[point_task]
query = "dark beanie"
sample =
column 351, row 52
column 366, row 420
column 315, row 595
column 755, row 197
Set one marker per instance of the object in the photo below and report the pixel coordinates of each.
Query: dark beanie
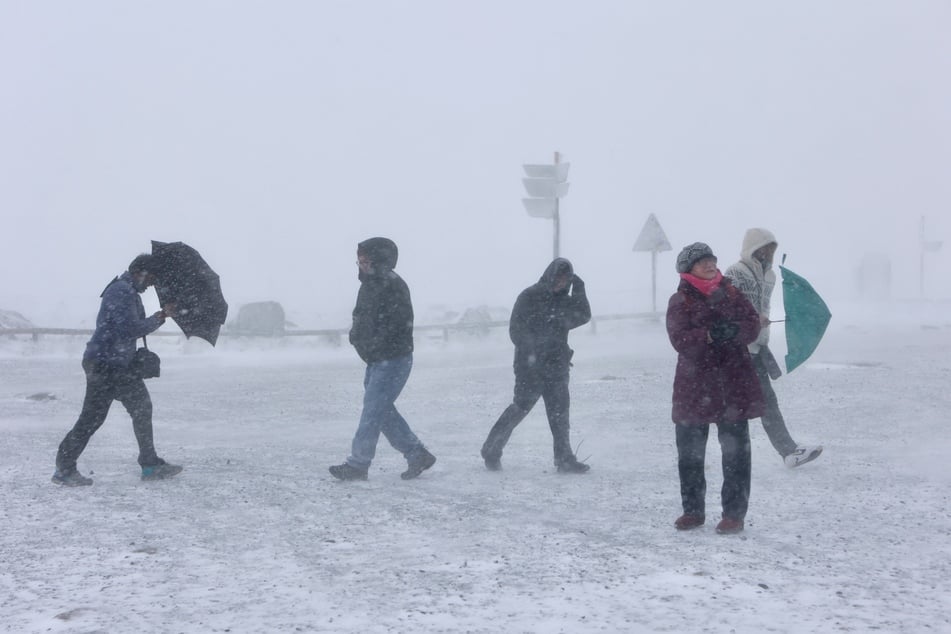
column 691, row 254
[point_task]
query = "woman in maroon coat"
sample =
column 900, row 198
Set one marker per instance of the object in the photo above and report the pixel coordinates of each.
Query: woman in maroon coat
column 710, row 323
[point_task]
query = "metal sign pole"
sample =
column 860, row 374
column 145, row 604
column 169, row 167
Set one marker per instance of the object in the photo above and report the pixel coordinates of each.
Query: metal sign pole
column 556, row 219
column 654, row 280
column 652, row 238
column 921, row 270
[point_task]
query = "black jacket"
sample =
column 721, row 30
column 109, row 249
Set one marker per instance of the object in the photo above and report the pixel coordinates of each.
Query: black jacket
column 383, row 316
column 542, row 318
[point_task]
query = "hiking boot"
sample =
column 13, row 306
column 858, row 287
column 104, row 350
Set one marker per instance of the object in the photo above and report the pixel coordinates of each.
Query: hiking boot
column 419, row 464
column 802, row 455
column 160, row 471
column 70, row 479
column 687, row 521
column 729, row 526
column 571, row 465
column 347, row 471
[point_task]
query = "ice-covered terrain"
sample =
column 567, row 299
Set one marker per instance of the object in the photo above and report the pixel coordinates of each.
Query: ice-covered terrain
column 255, row 536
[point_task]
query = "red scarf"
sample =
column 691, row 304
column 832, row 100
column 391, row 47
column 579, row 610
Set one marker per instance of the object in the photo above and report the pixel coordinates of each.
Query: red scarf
column 704, row 286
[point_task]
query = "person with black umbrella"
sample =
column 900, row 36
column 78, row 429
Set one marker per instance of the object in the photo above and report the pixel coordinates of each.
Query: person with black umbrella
column 110, row 375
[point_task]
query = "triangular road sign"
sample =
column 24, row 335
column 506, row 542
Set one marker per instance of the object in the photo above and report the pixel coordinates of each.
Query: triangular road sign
column 652, row 237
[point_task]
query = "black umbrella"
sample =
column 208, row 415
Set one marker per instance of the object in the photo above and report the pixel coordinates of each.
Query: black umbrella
column 182, row 277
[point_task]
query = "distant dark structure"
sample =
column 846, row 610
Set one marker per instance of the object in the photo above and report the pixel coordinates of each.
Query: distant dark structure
column 476, row 320
column 873, row 278
column 14, row 320
column 260, row 319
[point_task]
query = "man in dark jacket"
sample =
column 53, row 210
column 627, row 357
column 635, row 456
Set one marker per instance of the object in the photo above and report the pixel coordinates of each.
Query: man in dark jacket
column 382, row 334
column 109, row 377
column 542, row 316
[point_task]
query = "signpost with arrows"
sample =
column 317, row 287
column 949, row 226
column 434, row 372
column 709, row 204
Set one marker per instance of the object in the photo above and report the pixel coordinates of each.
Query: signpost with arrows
column 545, row 185
column 653, row 239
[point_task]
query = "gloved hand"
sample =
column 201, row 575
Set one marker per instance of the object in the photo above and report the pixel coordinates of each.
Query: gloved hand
column 577, row 284
column 723, row 330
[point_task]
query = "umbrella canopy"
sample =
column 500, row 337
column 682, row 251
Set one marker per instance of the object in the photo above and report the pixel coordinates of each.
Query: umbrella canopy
column 185, row 279
column 806, row 318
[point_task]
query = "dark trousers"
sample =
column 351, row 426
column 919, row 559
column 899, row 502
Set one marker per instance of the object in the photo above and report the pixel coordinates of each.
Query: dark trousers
column 104, row 384
column 772, row 418
column 552, row 388
column 735, row 447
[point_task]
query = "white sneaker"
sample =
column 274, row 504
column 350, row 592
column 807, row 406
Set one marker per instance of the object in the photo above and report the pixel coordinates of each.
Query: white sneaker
column 802, row 455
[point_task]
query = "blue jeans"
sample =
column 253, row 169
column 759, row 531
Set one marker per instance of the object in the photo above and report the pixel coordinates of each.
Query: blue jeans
column 383, row 382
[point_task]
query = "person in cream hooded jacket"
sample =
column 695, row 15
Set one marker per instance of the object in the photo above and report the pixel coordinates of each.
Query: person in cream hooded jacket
column 753, row 275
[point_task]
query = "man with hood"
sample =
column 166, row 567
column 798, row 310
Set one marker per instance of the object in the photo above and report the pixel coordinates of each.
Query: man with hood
column 109, row 377
column 542, row 316
column 382, row 334
column 753, row 275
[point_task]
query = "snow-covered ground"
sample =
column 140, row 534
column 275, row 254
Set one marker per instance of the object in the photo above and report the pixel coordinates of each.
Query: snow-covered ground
column 255, row 536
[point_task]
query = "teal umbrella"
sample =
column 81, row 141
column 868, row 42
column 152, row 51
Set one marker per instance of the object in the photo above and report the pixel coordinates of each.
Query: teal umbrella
column 806, row 318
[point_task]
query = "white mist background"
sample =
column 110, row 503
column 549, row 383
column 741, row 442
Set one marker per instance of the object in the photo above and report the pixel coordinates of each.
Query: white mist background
column 274, row 137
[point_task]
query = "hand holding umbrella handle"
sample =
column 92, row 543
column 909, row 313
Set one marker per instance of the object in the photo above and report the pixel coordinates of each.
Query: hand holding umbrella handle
column 168, row 310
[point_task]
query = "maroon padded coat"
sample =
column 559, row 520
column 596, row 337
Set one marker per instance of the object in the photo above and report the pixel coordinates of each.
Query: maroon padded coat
column 714, row 381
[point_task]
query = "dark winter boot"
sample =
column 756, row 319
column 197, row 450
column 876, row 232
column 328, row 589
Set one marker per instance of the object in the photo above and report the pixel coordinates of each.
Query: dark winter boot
column 418, row 464
column 492, row 462
column 571, row 465
column 160, row 471
column 346, row 471
column 687, row 521
column 729, row 526
column 71, row 479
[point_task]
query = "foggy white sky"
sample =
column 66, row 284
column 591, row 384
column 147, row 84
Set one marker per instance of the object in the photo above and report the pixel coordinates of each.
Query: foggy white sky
column 273, row 136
